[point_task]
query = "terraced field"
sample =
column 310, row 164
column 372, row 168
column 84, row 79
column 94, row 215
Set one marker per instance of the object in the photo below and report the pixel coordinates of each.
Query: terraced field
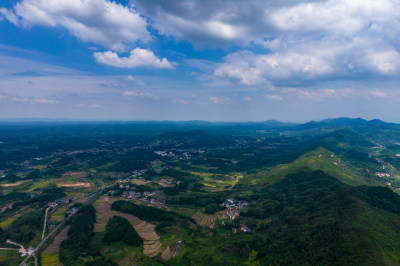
column 151, row 240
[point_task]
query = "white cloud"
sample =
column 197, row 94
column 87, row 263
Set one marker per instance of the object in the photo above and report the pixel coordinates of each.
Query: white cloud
column 251, row 69
column 223, row 22
column 334, row 16
column 29, row 100
column 9, row 15
column 385, row 62
column 378, row 94
column 138, row 58
column 247, row 98
column 307, row 40
column 274, row 97
column 45, row 101
column 103, row 22
column 317, row 95
column 180, row 101
column 140, row 94
column 240, row 67
column 95, row 105
column 305, row 61
column 214, row 99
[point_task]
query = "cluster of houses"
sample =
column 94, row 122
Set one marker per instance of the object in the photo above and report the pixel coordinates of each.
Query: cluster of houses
column 232, row 207
column 242, row 227
column 62, row 201
column 155, row 162
column 138, row 173
column 178, row 244
column 93, row 150
column 380, row 174
column 180, row 154
column 130, row 192
column 71, row 211
column 2, row 173
column 168, row 154
column 171, row 181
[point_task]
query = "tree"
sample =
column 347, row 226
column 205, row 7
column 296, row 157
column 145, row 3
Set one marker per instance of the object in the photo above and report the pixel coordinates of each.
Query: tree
column 119, row 229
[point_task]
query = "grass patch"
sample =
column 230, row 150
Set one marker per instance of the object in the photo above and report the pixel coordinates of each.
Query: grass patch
column 9, row 257
column 5, row 224
column 97, row 240
column 169, row 240
column 50, row 259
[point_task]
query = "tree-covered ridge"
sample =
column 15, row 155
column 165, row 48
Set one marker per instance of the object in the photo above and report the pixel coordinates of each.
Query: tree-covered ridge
column 79, row 235
column 310, row 218
column 119, row 229
column 142, row 212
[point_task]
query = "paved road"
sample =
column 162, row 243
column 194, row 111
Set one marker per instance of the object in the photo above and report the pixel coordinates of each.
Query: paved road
column 23, row 263
column 44, row 240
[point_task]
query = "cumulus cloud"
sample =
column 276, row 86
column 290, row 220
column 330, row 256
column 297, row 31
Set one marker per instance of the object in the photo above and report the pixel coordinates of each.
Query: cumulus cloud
column 103, row 22
column 306, row 40
column 138, row 58
column 311, row 61
column 207, row 21
column 140, row 94
column 240, row 22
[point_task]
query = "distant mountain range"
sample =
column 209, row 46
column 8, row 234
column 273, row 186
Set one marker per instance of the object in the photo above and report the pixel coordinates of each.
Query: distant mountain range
column 343, row 121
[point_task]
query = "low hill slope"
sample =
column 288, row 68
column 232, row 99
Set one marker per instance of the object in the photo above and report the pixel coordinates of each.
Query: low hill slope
column 311, row 218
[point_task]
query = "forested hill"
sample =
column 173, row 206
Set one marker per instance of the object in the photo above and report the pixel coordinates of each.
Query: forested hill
column 310, row 218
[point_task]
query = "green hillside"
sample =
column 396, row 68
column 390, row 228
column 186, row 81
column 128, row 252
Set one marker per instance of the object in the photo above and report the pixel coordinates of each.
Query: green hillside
column 311, row 218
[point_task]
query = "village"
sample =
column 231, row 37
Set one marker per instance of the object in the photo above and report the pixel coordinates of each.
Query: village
column 232, row 211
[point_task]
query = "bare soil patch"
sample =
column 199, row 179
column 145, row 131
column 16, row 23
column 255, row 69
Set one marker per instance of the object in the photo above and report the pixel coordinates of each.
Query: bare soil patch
column 208, row 220
column 12, row 184
column 140, row 182
column 77, row 174
column 79, row 184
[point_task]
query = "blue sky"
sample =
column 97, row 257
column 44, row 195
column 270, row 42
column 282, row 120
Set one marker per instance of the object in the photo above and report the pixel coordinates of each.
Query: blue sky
column 217, row 60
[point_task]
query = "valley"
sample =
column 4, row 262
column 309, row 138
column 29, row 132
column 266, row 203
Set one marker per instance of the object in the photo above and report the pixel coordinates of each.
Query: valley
column 199, row 193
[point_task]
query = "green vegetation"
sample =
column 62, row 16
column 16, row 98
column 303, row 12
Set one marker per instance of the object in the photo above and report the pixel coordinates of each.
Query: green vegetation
column 79, row 235
column 119, row 229
column 26, row 227
column 143, row 212
column 321, row 193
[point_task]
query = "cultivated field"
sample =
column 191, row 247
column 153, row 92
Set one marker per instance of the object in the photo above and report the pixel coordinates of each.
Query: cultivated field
column 207, row 220
column 54, row 247
column 152, row 244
